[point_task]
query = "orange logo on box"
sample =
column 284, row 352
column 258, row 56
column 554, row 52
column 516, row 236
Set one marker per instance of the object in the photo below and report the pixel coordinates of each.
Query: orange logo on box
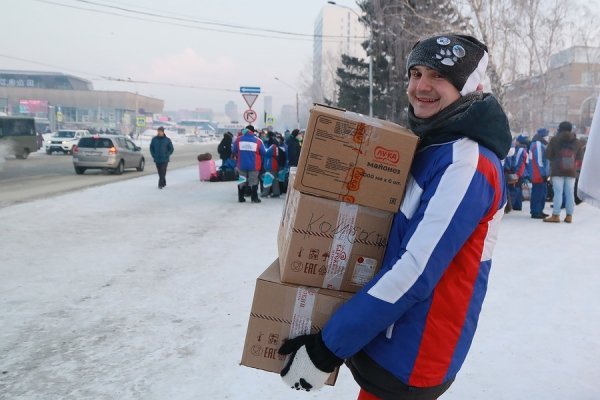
column 382, row 154
column 359, row 133
column 357, row 175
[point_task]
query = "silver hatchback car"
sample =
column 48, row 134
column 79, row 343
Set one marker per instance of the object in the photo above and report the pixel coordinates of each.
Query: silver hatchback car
column 109, row 152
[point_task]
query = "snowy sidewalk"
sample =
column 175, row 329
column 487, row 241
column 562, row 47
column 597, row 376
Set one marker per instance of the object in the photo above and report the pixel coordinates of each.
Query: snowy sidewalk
column 140, row 293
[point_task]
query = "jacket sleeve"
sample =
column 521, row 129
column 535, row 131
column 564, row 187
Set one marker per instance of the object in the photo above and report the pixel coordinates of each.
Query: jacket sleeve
column 437, row 219
column 170, row 147
column 152, row 148
column 234, row 146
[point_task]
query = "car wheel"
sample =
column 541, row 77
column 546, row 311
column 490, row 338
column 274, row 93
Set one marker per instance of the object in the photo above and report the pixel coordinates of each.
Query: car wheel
column 140, row 167
column 79, row 170
column 48, row 152
column 120, row 168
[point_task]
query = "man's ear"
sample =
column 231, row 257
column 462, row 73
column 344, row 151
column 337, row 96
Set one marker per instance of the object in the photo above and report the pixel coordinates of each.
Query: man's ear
column 479, row 88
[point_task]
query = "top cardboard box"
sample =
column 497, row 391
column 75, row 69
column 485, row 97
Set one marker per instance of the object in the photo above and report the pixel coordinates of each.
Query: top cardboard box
column 350, row 157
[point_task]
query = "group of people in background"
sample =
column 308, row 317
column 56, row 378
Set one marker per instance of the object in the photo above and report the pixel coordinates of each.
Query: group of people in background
column 551, row 167
column 262, row 159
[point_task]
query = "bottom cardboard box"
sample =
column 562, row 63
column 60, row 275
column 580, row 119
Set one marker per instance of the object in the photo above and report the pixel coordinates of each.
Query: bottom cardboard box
column 283, row 310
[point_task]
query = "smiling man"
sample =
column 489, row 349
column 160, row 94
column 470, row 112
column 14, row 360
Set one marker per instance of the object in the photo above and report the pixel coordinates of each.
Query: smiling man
column 406, row 334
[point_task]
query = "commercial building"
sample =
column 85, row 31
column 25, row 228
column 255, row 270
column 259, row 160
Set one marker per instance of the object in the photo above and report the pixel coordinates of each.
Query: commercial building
column 69, row 101
column 568, row 90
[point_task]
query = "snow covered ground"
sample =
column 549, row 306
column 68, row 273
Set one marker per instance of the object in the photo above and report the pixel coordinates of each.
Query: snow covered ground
column 140, row 293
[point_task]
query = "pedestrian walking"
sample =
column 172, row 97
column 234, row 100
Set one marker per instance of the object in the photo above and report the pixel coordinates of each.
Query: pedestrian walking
column 161, row 149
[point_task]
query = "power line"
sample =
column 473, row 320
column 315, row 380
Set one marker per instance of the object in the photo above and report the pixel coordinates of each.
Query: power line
column 98, row 77
column 176, row 20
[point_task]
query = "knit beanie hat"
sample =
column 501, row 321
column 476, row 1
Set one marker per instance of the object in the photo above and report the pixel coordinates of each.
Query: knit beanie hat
column 461, row 59
column 542, row 132
column 522, row 139
column 565, row 126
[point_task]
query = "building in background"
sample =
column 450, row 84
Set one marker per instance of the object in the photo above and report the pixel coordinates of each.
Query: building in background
column 231, row 110
column 337, row 31
column 568, row 90
column 67, row 101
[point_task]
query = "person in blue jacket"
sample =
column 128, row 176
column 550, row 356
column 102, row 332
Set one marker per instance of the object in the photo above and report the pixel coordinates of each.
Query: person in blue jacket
column 249, row 151
column 406, row 333
column 538, row 171
column 517, row 164
column 161, row 149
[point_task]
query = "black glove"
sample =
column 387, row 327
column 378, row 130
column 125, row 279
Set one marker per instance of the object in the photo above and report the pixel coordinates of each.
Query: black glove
column 309, row 364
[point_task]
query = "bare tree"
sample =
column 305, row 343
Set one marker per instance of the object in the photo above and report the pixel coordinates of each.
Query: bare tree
column 521, row 36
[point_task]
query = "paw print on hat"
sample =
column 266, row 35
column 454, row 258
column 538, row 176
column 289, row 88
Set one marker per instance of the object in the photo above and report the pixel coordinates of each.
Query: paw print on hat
column 445, row 55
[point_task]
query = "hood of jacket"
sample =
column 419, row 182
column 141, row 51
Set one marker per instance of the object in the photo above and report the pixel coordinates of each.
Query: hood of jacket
column 477, row 116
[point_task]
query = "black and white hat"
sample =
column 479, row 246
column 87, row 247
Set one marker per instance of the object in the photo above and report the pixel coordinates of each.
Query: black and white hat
column 461, row 59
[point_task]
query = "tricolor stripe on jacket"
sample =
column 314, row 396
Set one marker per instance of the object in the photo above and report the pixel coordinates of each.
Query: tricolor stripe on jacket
column 417, row 317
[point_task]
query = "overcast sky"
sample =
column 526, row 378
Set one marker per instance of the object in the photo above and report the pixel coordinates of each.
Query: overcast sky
column 167, row 41
column 193, row 45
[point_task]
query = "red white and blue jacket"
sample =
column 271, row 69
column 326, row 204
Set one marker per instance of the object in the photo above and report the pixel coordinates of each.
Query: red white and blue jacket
column 517, row 163
column 249, row 151
column 416, row 319
column 538, row 166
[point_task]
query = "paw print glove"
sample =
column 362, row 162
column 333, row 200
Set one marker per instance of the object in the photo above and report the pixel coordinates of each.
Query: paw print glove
column 309, row 364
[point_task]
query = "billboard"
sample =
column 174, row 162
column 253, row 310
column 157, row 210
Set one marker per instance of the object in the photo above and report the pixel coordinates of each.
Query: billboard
column 33, row 107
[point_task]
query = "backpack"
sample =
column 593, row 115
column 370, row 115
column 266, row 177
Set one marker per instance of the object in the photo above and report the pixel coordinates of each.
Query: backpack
column 566, row 160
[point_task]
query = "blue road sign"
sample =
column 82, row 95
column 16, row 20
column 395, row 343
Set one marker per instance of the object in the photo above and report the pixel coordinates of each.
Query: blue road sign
column 250, row 89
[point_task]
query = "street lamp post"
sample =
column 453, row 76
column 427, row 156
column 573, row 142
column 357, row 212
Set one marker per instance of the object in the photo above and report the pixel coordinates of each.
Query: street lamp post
column 297, row 107
column 369, row 54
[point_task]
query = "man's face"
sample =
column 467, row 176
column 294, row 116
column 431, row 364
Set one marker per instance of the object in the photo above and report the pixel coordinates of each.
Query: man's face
column 160, row 132
column 429, row 92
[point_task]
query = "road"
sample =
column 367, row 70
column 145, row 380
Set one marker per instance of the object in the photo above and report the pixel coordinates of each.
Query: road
column 42, row 175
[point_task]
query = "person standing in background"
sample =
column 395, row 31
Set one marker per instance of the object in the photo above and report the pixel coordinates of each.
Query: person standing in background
column 565, row 153
column 293, row 148
column 271, row 167
column 539, row 169
column 224, row 148
column 161, row 149
column 249, row 151
column 517, row 165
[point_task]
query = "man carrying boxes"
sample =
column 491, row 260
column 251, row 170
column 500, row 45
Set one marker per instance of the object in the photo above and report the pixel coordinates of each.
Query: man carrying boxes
column 406, row 333
column 328, row 248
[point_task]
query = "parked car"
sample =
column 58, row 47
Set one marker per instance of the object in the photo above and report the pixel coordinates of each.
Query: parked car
column 64, row 140
column 108, row 152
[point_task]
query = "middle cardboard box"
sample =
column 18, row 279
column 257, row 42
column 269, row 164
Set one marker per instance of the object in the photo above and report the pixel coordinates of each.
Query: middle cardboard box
column 330, row 244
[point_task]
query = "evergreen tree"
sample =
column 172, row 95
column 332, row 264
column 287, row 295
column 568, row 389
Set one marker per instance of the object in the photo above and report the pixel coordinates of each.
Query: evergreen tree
column 353, row 84
column 395, row 26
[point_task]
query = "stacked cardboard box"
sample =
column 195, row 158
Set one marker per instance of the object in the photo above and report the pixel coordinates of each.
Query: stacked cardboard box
column 281, row 310
column 339, row 208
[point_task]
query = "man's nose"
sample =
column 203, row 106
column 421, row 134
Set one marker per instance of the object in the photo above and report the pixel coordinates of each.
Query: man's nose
column 424, row 84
